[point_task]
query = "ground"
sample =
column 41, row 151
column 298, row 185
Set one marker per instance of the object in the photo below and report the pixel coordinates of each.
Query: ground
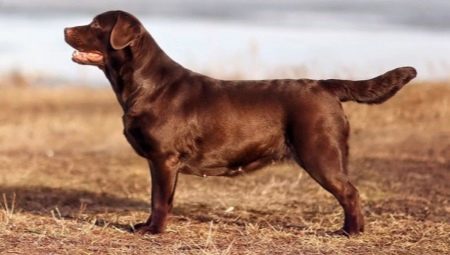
column 70, row 184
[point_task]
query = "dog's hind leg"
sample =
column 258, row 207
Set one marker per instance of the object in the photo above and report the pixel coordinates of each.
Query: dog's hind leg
column 322, row 152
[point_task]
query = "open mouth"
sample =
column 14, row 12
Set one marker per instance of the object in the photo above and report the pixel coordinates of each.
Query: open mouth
column 87, row 57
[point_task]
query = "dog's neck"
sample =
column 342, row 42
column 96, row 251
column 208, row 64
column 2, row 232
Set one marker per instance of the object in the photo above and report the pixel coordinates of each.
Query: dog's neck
column 144, row 58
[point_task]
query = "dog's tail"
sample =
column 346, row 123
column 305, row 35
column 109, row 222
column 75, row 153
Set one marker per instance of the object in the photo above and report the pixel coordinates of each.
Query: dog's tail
column 373, row 91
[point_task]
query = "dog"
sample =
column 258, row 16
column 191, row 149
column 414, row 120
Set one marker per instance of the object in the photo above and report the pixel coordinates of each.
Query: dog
column 181, row 121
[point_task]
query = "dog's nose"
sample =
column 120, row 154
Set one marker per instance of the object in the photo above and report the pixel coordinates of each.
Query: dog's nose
column 67, row 31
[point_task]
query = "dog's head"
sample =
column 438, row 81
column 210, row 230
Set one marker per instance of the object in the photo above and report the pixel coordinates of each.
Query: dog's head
column 108, row 32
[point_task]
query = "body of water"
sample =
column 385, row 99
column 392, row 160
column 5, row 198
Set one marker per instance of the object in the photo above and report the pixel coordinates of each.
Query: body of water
column 256, row 39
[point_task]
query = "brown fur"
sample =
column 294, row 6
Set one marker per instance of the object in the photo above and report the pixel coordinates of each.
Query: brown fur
column 185, row 122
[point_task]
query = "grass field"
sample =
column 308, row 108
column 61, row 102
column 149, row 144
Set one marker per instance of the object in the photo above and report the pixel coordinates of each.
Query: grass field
column 70, row 184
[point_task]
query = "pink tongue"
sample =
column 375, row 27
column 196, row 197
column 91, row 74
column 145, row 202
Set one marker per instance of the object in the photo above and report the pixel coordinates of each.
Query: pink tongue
column 87, row 56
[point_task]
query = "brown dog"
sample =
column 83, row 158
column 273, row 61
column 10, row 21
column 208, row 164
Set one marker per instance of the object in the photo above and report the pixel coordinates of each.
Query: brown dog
column 185, row 122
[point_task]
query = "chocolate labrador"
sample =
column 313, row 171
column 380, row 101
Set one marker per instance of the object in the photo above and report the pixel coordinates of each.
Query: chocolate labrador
column 186, row 122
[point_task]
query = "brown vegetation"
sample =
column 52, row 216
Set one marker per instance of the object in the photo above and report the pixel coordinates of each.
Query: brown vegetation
column 68, row 186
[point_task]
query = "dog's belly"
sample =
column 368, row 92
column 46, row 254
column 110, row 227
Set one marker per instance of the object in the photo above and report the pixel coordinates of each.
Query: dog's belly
column 228, row 171
column 240, row 163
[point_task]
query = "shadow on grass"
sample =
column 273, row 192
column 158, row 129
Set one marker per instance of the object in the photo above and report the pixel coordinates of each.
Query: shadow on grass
column 69, row 203
column 41, row 200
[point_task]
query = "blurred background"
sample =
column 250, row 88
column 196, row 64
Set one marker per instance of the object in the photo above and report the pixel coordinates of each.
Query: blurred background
column 70, row 182
column 248, row 39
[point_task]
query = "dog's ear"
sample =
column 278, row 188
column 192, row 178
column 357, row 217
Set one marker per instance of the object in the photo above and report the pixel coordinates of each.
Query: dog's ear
column 125, row 31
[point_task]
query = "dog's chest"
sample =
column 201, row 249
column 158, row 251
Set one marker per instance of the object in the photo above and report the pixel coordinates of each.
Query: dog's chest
column 136, row 134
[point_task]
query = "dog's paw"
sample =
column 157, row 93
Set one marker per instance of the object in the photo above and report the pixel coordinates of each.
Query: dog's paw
column 346, row 233
column 145, row 228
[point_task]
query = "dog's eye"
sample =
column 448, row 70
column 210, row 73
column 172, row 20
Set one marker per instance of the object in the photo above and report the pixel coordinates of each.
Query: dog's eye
column 95, row 24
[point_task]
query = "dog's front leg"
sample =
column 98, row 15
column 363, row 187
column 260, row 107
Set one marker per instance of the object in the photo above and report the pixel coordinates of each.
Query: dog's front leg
column 164, row 180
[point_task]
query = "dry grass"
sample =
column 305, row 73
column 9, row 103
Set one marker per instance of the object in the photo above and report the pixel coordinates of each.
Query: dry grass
column 70, row 184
